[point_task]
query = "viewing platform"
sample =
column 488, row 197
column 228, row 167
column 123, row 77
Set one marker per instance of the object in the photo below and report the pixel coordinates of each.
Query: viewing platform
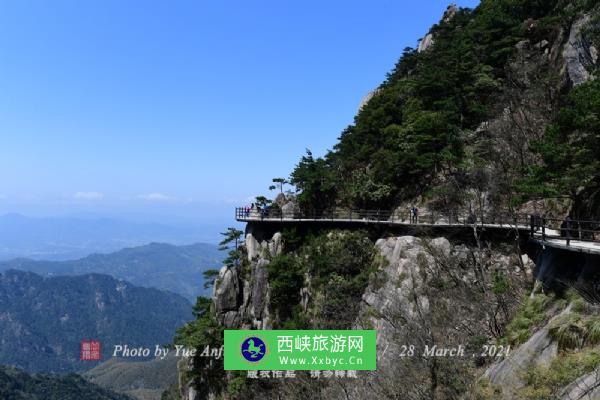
column 571, row 235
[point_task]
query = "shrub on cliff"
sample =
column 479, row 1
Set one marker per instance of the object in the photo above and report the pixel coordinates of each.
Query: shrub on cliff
column 335, row 267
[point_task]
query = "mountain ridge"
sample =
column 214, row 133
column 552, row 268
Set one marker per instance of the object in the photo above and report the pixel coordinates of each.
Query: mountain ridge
column 177, row 269
column 44, row 319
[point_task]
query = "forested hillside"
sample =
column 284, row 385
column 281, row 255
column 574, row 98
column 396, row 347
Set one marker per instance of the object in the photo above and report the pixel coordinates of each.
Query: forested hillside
column 493, row 106
column 497, row 109
column 43, row 320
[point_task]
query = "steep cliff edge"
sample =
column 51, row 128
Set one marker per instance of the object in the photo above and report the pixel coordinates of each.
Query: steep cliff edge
column 421, row 293
column 483, row 116
column 240, row 300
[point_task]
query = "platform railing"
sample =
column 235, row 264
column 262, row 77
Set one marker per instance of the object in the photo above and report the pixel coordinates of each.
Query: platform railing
column 427, row 217
column 539, row 226
column 565, row 229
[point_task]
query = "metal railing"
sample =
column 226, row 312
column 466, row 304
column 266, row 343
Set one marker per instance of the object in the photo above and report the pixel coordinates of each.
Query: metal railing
column 564, row 229
column 538, row 226
column 385, row 216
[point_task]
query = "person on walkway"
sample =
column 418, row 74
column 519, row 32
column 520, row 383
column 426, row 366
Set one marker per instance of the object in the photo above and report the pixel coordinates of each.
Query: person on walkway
column 416, row 213
column 412, row 214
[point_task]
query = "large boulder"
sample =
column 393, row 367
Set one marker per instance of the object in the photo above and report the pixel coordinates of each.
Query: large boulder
column 259, row 289
column 428, row 40
column 280, row 200
column 253, row 248
column 585, row 388
column 540, row 349
column 227, row 290
column 425, row 43
column 275, row 244
column 289, row 209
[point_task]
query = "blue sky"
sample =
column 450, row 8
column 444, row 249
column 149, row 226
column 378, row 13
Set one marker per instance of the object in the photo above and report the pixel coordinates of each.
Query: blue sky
column 181, row 109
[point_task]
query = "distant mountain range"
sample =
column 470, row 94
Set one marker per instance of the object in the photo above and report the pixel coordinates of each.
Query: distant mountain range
column 43, row 320
column 68, row 238
column 20, row 385
column 163, row 266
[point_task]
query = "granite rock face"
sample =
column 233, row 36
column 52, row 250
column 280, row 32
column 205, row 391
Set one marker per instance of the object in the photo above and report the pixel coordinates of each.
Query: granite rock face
column 425, row 43
column 429, row 39
column 365, row 100
column 428, row 292
column 585, row 388
column 241, row 298
column 241, row 293
column 579, row 54
column 540, row 349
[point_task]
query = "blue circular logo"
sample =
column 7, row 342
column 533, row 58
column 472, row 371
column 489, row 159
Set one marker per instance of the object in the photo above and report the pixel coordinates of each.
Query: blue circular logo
column 253, row 349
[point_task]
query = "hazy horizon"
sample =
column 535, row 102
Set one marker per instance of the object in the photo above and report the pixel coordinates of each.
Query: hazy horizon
column 68, row 238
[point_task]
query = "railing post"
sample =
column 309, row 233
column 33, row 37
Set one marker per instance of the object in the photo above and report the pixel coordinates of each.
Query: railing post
column 532, row 224
column 568, row 231
column 543, row 229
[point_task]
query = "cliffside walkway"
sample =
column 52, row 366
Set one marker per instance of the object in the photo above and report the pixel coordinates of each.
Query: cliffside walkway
column 571, row 235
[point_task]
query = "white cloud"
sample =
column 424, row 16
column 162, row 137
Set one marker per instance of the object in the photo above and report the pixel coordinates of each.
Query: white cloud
column 156, row 196
column 88, row 196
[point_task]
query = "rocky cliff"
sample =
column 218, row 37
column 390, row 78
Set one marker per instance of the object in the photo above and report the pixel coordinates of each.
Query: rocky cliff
column 429, row 292
column 241, row 301
column 433, row 290
column 241, row 295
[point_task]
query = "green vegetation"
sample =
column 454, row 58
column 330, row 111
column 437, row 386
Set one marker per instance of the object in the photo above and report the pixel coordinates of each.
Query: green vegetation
column 484, row 390
column 286, row 278
column 413, row 129
column 279, row 183
column 574, row 330
column 545, row 382
column 336, row 265
column 571, row 147
column 532, row 314
column 230, row 243
column 204, row 331
column 460, row 124
column 316, row 183
column 577, row 333
column 50, row 317
column 417, row 135
column 19, row 385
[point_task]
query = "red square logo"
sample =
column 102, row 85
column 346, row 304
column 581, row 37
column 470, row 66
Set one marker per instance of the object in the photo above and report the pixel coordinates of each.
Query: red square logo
column 90, row 350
